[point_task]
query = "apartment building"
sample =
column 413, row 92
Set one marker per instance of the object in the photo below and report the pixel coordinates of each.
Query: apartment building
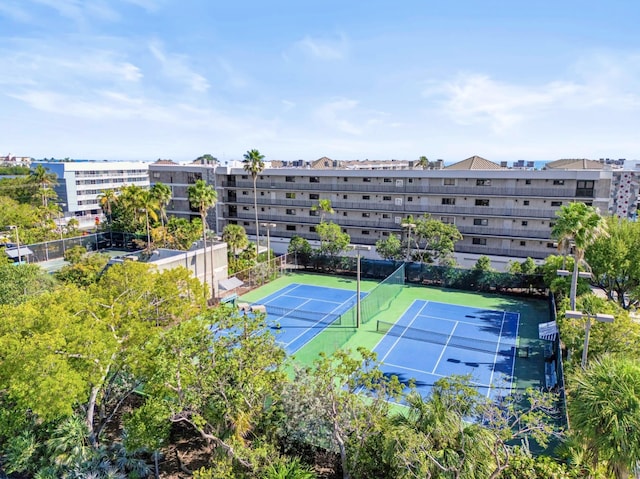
column 500, row 211
column 80, row 183
column 179, row 177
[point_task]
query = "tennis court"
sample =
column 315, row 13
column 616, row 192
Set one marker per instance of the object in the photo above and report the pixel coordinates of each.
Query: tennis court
column 432, row 340
column 299, row 312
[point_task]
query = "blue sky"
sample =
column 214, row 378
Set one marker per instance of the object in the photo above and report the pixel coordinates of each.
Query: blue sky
column 148, row 79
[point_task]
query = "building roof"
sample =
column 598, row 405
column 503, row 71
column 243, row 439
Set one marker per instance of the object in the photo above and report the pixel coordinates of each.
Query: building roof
column 15, row 253
column 575, row 164
column 160, row 161
column 474, row 163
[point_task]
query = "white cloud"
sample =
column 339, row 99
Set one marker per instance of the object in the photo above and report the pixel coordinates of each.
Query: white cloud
column 333, row 114
column 175, row 67
column 597, row 83
column 324, row 48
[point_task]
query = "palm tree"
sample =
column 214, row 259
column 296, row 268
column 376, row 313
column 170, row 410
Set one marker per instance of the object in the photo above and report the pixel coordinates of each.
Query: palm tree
column 45, row 180
column 148, row 204
column 130, row 197
column 203, row 197
column 236, row 237
column 423, row 162
column 605, row 413
column 254, row 164
column 106, row 199
column 163, row 194
column 579, row 224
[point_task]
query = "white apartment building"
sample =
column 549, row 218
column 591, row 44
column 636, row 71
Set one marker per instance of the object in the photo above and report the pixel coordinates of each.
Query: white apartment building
column 499, row 211
column 81, row 182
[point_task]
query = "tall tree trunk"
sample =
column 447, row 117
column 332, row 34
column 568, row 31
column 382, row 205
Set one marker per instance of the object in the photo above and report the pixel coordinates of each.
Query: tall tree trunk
column 204, row 241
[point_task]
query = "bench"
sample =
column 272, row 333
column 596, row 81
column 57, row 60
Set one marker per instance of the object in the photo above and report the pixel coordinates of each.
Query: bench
column 244, row 307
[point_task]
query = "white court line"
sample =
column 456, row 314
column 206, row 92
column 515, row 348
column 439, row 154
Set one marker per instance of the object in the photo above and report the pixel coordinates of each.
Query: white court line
column 403, row 331
column 318, row 322
column 495, row 356
column 315, row 299
column 433, row 374
column 401, row 316
column 285, row 293
column 451, row 320
column 444, row 348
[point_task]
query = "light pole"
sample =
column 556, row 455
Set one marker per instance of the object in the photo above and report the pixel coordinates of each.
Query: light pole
column 268, row 226
column 60, row 226
column 603, row 318
column 14, row 227
column 408, row 225
column 358, row 248
column 574, row 291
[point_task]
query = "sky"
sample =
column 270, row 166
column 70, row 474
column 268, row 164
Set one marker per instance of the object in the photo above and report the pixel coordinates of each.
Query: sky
column 350, row 80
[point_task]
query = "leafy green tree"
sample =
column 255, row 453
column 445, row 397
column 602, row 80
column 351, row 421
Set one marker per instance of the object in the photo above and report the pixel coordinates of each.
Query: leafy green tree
column 615, row 261
column 218, row 376
column 20, row 282
column 332, row 240
column 528, row 266
column 300, row 248
column 206, row 159
column 254, row 165
column 514, row 267
column 321, row 405
column 178, row 233
column 83, row 271
column 435, row 240
column 483, row 264
column 390, row 248
column 203, row 196
column 580, row 225
column 149, row 204
column 324, row 205
column 605, row 413
column 423, row 162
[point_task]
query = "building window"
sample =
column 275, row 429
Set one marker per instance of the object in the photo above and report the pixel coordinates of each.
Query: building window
column 366, row 215
column 156, row 174
column 314, row 196
column 385, row 233
column 525, row 223
column 447, row 220
column 552, row 245
column 262, row 193
column 482, row 202
column 409, row 198
column 344, row 213
column 480, row 241
column 483, row 182
column 312, row 229
column 291, row 227
column 480, row 222
column 289, row 179
column 193, row 177
column 314, row 179
column 366, row 197
column 291, row 211
column 449, row 182
column 448, row 201
column 556, row 203
column 314, row 213
column 290, row 196
column 244, row 177
column 387, row 180
column 345, row 179
column 525, row 202
column 245, row 208
column 585, row 188
column 410, row 180
column 399, row 183
column 365, row 232
column 558, row 182
column 552, row 224
column 344, row 197
column 366, row 180
column 398, row 201
column 386, row 216
column 527, row 182
column 523, row 243
column 386, row 198
column 245, row 193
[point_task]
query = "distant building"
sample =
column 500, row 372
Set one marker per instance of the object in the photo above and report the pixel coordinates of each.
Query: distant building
column 80, row 183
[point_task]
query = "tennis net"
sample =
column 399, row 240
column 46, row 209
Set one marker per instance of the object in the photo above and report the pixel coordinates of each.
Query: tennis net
column 460, row 342
column 378, row 298
column 312, row 316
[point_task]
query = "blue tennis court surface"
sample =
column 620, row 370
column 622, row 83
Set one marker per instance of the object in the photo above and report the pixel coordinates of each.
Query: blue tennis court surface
column 433, row 340
column 299, row 312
